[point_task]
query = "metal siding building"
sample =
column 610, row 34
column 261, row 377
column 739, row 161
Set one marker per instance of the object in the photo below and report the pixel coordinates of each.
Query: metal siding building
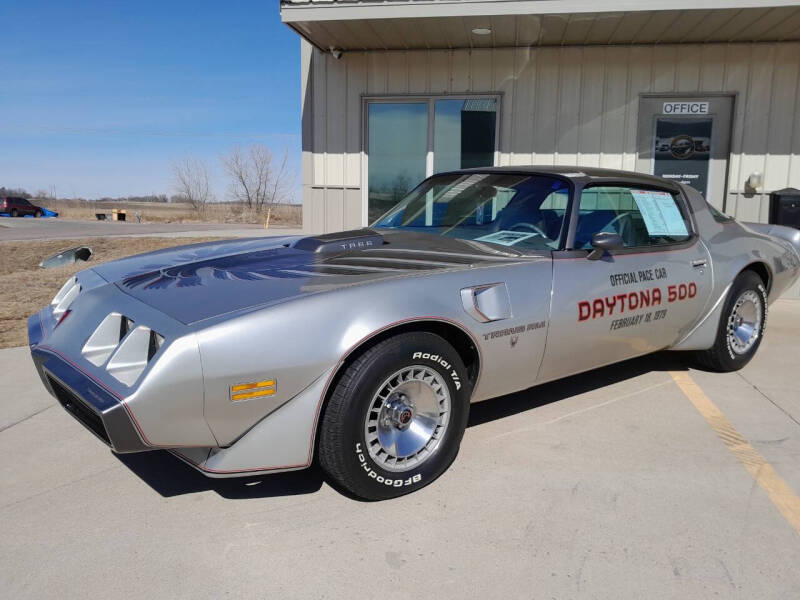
column 570, row 86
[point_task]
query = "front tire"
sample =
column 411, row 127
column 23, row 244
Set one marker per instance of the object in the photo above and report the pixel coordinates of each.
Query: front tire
column 37, row 214
column 741, row 327
column 395, row 419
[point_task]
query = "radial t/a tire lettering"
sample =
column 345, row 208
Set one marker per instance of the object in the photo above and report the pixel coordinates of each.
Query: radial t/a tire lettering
column 395, row 419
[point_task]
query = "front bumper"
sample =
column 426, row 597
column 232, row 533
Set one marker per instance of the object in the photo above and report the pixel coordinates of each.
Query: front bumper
column 95, row 407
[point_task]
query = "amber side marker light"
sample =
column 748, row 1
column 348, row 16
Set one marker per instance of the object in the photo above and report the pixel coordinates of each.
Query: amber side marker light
column 255, row 389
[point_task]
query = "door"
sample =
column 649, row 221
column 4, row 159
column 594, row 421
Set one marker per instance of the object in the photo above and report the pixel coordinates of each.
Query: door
column 637, row 299
column 26, row 208
column 687, row 139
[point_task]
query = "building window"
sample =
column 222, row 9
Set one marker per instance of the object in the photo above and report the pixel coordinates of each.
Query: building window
column 410, row 139
column 398, row 145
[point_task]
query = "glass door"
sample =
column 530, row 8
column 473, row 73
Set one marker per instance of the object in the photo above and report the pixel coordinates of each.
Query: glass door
column 687, row 139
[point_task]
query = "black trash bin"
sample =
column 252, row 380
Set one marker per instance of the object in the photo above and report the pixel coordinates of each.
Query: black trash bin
column 784, row 207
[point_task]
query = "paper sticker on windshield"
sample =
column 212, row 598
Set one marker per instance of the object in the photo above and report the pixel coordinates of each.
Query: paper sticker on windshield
column 660, row 213
column 505, row 238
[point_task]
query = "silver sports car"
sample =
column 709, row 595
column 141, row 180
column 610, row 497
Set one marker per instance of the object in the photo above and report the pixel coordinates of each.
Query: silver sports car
column 364, row 349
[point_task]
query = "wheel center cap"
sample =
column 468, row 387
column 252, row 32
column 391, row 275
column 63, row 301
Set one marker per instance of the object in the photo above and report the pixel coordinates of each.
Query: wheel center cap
column 399, row 412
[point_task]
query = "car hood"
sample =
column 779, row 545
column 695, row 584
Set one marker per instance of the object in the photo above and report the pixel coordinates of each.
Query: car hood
column 201, row 281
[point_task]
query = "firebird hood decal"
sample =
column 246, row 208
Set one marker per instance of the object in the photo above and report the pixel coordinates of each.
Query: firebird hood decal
column 197, row 282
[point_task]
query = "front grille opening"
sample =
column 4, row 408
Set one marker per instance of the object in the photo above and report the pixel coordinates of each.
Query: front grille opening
column 75, row 406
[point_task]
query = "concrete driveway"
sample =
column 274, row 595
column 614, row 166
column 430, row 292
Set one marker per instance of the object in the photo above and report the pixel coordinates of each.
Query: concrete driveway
column 620, row 483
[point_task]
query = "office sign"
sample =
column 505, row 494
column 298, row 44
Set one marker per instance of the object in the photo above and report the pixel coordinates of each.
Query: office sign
column 682, row 150
column 685, row 108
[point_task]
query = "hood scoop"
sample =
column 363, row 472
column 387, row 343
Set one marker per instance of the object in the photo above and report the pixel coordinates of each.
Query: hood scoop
column 345, row 241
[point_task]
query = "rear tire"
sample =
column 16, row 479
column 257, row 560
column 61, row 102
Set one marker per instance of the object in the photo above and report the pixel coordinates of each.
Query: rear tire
column 14, row 212
column 395, row 419
column 741, row 326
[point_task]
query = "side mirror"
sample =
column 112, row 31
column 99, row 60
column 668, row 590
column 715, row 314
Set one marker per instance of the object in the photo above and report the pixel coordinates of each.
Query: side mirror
column 603, row 242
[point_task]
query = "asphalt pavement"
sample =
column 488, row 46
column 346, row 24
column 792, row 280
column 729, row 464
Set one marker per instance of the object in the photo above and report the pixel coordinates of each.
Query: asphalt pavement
column 646, row 479
column 57, row 228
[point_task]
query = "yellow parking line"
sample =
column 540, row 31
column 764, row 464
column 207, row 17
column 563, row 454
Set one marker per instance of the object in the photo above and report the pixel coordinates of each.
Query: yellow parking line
column 782, row 496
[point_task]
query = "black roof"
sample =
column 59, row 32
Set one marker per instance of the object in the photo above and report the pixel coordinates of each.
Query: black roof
column 573, row 172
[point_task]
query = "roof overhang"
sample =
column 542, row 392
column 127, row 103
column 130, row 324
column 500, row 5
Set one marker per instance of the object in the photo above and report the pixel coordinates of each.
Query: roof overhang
column 433, row 24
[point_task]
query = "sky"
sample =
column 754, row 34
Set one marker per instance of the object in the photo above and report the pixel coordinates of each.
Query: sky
column 99, row 98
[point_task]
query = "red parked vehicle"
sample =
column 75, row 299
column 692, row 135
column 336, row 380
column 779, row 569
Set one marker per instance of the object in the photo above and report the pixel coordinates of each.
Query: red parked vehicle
column 19, row 207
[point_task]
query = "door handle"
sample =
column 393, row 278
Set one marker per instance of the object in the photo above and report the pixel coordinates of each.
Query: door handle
column 699, row 264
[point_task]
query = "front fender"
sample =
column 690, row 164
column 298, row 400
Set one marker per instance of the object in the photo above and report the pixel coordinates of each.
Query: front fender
column 282, row 442
column 296, row 342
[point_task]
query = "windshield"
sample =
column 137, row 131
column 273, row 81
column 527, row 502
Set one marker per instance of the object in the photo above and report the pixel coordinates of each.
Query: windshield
column 508, row 209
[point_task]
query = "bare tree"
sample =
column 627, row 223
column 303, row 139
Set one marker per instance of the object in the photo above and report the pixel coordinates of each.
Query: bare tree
column 257, row 179
column 190, row 181
column 43, row 195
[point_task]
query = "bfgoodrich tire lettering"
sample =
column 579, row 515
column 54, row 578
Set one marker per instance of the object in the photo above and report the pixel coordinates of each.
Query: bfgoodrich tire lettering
column 741, row 327
column 413, row 378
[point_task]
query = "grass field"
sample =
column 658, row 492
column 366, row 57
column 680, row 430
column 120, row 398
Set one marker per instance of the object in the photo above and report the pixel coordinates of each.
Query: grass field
column 289, row 215
column 25, row 287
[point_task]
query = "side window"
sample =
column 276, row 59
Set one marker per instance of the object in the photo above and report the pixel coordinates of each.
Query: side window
column 642, row 218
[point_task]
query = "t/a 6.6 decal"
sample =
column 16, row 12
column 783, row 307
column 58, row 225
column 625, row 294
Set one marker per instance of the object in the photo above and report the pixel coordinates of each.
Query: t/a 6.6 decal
column 655, row 299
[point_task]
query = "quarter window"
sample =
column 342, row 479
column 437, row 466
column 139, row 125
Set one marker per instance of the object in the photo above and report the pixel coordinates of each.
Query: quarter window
column 719, row 217
column 642, row 218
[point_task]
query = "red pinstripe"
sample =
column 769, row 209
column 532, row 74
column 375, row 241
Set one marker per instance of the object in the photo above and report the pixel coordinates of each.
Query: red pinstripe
column 325, row 391
column 121, row 399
